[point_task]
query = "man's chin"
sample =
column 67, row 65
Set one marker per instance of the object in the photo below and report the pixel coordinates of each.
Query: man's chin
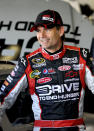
column 45, row 46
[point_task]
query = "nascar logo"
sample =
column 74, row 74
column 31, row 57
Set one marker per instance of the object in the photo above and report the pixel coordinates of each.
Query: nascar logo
column 38, row 60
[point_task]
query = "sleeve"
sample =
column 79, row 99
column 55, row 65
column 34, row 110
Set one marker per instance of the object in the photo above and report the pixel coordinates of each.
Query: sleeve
column 89, row 72
column 14, row 83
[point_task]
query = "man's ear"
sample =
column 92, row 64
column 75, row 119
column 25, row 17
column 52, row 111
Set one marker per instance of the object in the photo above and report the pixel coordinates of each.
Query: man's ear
column 61, row 31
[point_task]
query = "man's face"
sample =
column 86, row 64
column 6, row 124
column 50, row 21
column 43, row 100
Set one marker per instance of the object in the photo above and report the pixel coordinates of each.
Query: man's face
column 50, row 39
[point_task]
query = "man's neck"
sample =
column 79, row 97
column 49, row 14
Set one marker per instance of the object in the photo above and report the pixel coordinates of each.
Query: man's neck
column 55, row 51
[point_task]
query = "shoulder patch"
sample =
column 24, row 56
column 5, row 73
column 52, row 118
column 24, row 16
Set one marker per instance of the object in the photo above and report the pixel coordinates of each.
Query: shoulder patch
column 84, row 53
column 23, row 61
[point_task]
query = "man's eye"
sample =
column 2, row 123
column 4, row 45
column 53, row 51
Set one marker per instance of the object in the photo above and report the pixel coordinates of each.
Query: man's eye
column 48, row 30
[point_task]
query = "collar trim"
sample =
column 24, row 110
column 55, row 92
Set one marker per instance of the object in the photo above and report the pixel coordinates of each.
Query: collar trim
column 54, row 56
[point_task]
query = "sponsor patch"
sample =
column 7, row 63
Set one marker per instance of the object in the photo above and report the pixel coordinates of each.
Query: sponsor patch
column 23, row 61
column 6, row 83
column 72, row 79
column 38, row 60
column 12, row 73
column 16, row 68
column 70, row 60
column 39, row 65
column 48, row 71
column 9, row 79
column 63, row 92
column 35, row 74
column 44, row 80
column 71, row 74
column 84, row 53
column 64, row 68
column 45, row 71
column 48, row 18
column 3, row 88
column 78, row 67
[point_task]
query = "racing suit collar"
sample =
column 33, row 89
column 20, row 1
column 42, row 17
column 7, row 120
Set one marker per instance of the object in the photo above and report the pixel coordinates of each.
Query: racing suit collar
column 53, row 56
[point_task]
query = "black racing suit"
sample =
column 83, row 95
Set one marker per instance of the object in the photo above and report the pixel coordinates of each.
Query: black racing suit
column 56, row 85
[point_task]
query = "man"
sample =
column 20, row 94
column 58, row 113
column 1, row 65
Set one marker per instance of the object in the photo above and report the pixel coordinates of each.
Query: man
column 56, row 76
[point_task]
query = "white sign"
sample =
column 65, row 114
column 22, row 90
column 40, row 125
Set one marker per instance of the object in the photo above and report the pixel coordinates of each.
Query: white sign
column 18, row 16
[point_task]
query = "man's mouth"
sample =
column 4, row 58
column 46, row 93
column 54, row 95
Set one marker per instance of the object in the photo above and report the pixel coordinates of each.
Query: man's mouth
column 44, row 40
